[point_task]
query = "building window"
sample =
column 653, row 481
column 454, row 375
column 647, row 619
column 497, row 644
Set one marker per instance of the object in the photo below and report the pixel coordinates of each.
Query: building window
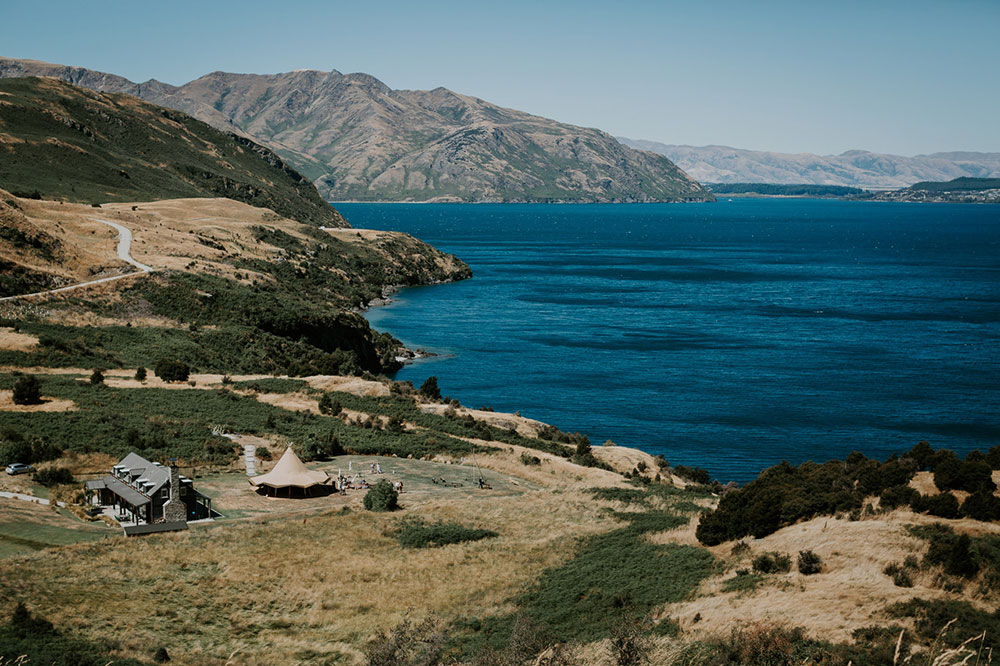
column 165, row 493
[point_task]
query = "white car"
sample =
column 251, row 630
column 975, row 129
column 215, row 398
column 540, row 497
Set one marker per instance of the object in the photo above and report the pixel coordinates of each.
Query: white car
column 19, row 468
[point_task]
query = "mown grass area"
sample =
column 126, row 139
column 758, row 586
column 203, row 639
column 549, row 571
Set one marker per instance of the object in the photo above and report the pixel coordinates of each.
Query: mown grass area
column 609, row 574
column 22, row 537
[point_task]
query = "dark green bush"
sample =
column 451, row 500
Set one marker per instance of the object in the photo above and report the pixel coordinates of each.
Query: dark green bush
column 981, row 505
column 897, row 496
column 97, row 377
column 809, row 563
column 785, row 494
column 171, row 371
column 140, row 374
column 899, row 574
column 965, row 620
column 528, row 459
column 993, row 457
column 382, row 497
column 429, row 389
column 416, row 534
column 54, row 476
column 694, row 474
column 329, row 406
column 772, row 562
column 959, row 554
column 942, row 505
column 263, row 453
column 27, row 390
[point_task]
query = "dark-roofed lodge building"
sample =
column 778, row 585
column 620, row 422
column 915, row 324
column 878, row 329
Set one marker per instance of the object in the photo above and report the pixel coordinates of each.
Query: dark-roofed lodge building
column 149, row 493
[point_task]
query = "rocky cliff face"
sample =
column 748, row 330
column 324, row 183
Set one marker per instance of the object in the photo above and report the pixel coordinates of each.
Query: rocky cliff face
column 360, row 140
column 854, row 168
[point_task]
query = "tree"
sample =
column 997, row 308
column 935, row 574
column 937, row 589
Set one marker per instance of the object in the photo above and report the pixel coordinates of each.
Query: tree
column 171, row 371
column 809, row 563
column 329, row 406
column 382, row 497
column 27, row 390
column 97, row 377
column 429, row 389
column 140, row 374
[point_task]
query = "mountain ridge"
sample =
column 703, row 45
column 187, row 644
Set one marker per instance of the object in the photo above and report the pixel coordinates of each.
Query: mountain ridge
column 358, row 139
column 66, row 142
column 852, row 168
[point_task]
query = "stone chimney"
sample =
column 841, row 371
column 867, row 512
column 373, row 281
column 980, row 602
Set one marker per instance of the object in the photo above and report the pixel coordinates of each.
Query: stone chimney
column 174, row 509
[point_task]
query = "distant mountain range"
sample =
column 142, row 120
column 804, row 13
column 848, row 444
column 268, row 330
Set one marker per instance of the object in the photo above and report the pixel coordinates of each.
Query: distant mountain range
column 854, row 168
column 357, row 139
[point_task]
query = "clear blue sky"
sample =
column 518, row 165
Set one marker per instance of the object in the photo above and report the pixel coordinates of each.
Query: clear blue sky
column 904, row 77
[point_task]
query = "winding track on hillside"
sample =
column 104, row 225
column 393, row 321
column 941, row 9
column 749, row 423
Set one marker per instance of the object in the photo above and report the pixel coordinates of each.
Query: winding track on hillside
column 124, row 253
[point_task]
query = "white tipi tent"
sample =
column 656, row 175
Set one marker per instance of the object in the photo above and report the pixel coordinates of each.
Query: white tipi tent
column 290, row 472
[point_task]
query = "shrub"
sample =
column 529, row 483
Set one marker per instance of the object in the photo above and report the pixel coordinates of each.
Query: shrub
column 429, row 389
column 329, row 406
column 694, row 474
column 900, row 576
column 416, row 534
column 382, row 497
column 171, row 371
column 772, row 563
column 943, row 505
column 584, row 454
column 27, row 390
column 953, row 551
column 993, row 457
column 322, row 449
column 395, row 424
column 140, row 374
column 809, row 563
column 897, row 496
column 97, row 377
column 161, row 656
column 739, row 549
column 528, row 459
column 784, row 494
column 54, row 476
column 263, row 453
column 981, row 505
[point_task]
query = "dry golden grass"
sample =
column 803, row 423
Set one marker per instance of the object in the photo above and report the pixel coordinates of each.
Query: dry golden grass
column 15, row 341
column 279, row 589
column 851, row 591
column 923, row 483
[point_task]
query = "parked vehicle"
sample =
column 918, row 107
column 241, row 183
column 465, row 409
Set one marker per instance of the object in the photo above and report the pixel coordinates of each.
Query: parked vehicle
column 19, row 468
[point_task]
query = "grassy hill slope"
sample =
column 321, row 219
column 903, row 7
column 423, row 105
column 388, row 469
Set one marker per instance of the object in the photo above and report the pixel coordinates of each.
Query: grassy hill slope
column 64, row 142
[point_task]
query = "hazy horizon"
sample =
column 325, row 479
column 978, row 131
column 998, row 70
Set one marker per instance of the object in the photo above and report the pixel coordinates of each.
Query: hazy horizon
column 904, row 78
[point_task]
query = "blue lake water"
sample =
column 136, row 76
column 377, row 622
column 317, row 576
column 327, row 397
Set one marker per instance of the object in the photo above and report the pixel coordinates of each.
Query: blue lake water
column 730, row 336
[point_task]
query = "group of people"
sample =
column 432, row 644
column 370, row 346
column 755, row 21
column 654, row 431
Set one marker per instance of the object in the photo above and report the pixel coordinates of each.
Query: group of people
column 358, row 482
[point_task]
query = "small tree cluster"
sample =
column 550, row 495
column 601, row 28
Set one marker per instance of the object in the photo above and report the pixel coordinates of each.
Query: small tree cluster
column 429, row 389
column 809, row 563
column 27, row 390
column 382, row 497
column 329, row 406
column 172, row 371
column 773, row 562
column 54, row 476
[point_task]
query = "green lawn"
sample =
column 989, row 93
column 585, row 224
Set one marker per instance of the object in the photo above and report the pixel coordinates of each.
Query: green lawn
column 26, row 537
